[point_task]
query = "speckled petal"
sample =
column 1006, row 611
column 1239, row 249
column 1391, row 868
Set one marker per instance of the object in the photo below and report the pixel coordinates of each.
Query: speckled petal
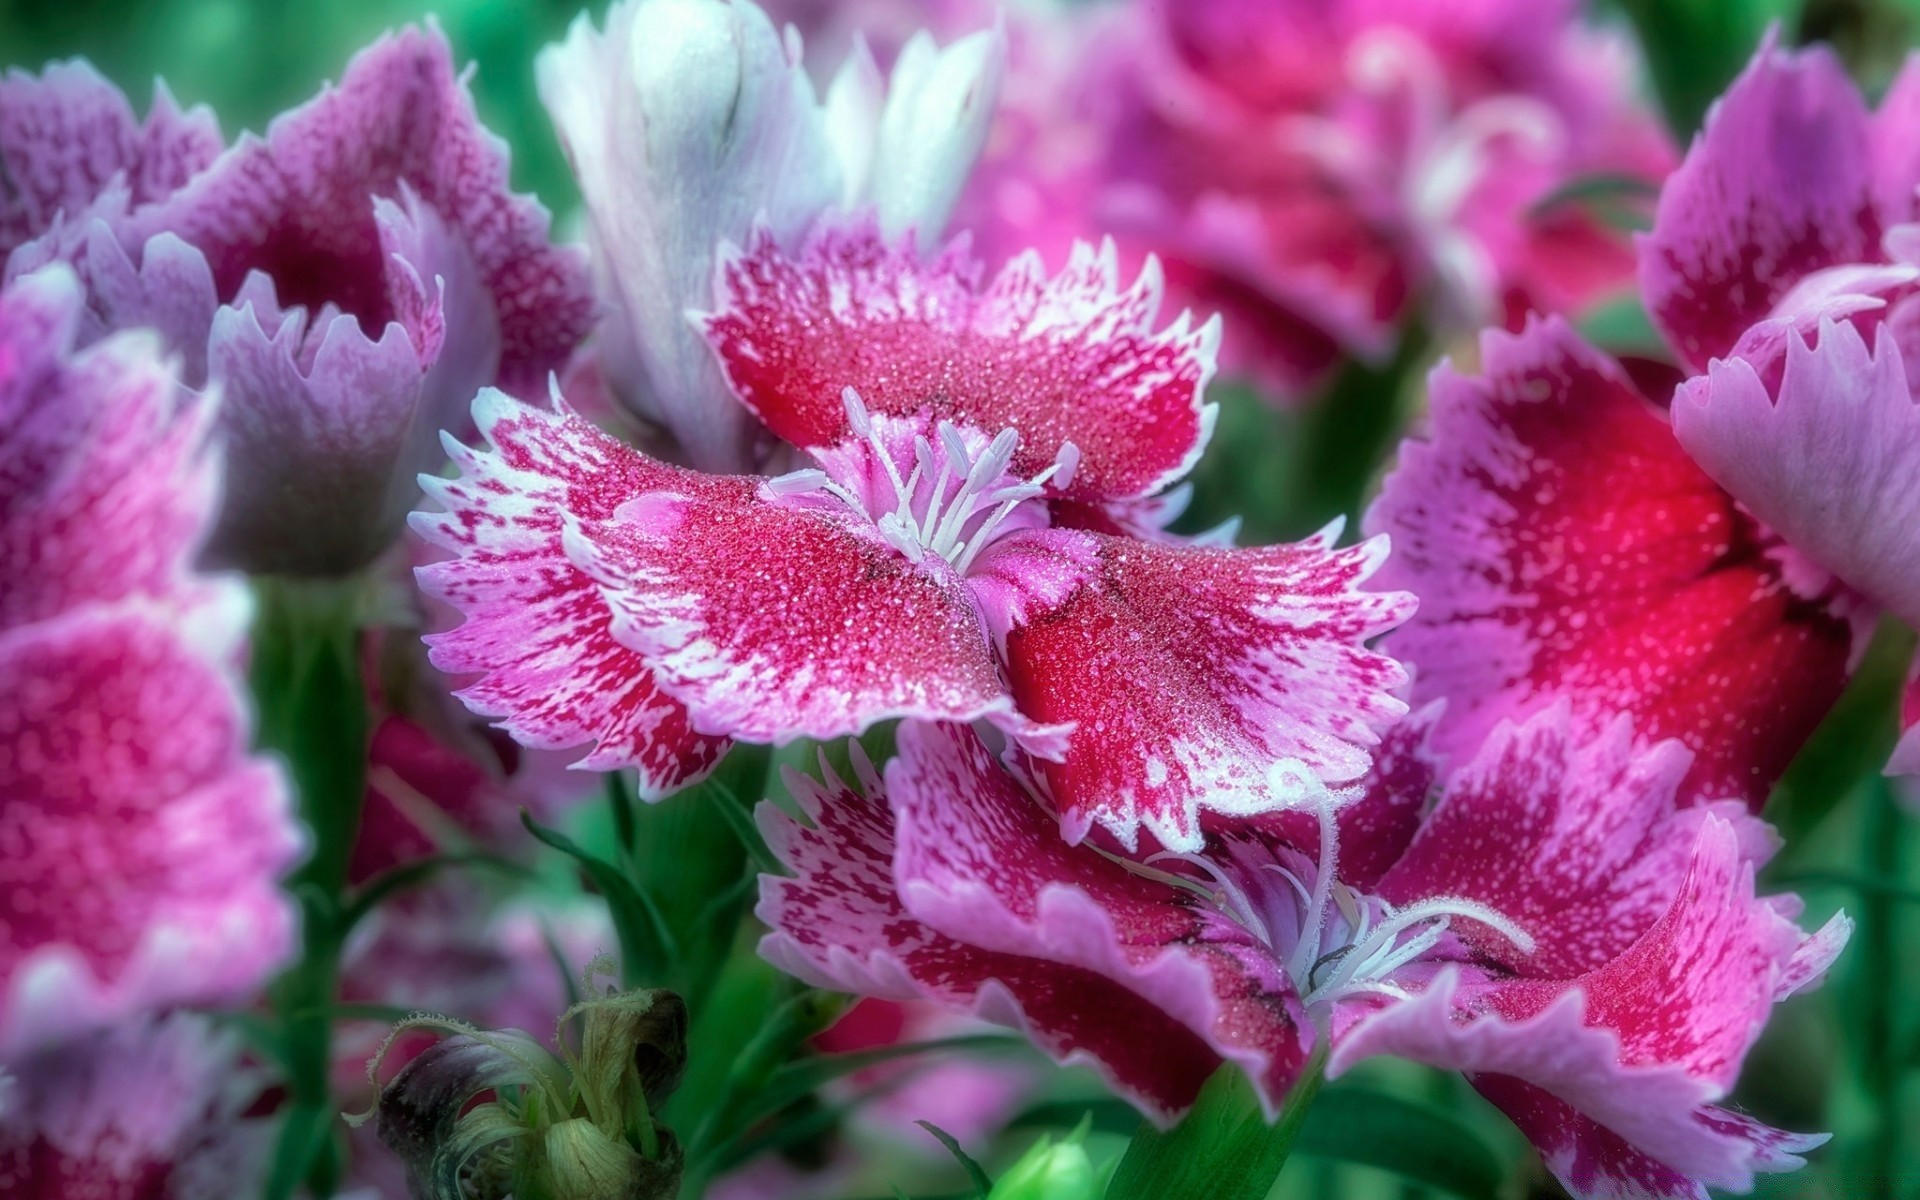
column 1595, row 1163
column 299, row 206
column 147, row 842
column 1642, row 1046
column 537, row 631
column 1073, row 358
column 1375, row 827
column 1563, row 544
column 772, row 622
column 68, row 138
column 106, row 482
column 839, row 923
column 1191, row 670
column 1576, row 839
column 149, row 1109
column 1777, row 186
column 977, row 859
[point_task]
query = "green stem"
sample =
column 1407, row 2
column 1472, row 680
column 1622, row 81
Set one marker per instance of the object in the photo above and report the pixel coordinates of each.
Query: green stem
column 1293, row 1113
column 313, row 712
column 1224, row 1149
column 689, row 840
column 1878, row 977
column 620, row 804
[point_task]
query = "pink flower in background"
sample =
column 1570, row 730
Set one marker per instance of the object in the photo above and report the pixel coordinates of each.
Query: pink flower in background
column 1906, row 756
column 955, row 554
column 1592, row 955
column 348, row 282
column 1785, row 265
column 145, row 842
column 150, row 1110
column 1316, row 172
column 968, row 1097
column 688, row 121
column 1564, row 546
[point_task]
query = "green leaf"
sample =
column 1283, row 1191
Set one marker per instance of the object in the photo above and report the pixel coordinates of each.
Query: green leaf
column 1418, row 1142
column 1623, row 203
column 807, row 1075
column 1621, row 326
column 311, row 705
column 783, row 1032
column 686, row 853
column 1897, row 890
column 647, row 947
column 388, row 883
column 312, row 710
column 1105, row 1115
column 620, row 802
column 1694, row 48
column 1224, row 1149
column 1850, row 746
column 975, row 1174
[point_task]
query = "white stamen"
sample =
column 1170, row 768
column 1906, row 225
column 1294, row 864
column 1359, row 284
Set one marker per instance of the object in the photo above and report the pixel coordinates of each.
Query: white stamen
column 1349, row 944
column 921, row 516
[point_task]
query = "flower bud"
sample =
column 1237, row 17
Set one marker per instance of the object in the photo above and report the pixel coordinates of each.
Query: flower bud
column 1051, row 1171
column 574, row 1160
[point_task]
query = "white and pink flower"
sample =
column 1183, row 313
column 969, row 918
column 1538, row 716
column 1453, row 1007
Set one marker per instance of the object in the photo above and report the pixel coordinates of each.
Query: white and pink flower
column 1589, row 952
column 958, row 552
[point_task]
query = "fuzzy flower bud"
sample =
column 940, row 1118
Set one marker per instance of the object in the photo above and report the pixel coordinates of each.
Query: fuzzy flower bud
column 579, row 1126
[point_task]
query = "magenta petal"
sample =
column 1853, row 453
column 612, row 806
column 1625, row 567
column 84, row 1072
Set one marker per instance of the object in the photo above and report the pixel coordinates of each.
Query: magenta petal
column 102, row 463
column 537, row 631
column 1376, row 827
column 1189, row 670
column 68, row 137
column 1594, row 1163
column 1563, row 544
column 299, row 205
column 1831, row 462
column 1777, row 186
column 840, row 924
column 151, row 1108
column 144, row 845
column 771, row 622
column 1072, row 358
column 438, row 295
column 1896, row 148
column 978, row 860
column 1906, row 755
column 1640, row 1045
column 148, row 841
column 165, row 287
column 1576, row 839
